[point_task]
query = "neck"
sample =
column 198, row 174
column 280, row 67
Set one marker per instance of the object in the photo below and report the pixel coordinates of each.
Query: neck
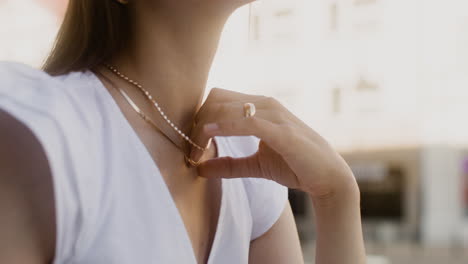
column 171, row 55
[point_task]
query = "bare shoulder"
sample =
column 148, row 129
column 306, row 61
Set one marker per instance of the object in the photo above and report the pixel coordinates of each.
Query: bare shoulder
column 27, row 224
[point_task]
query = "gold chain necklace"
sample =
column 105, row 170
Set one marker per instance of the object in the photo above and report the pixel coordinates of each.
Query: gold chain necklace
column 163, row 115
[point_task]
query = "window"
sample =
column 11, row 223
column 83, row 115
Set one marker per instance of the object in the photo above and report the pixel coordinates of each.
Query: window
column 465, row 185
column 285, row 12
column 367, row 96
column 336, row 100
column 255, row 27
column 364, row 85
column 364, row 2
column 334, row 17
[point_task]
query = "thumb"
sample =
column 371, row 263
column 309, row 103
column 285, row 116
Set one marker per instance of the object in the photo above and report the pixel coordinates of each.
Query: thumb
column 229, row 167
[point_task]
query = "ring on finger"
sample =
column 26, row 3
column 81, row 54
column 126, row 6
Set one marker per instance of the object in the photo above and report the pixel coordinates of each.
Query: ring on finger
column 249, row 109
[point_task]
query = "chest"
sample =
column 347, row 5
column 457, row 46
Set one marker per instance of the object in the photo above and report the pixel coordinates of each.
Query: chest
column 197, row 200
column 138, row 219
column 146, row 227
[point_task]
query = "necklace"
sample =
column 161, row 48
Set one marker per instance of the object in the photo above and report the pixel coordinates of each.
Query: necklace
column 188, row 160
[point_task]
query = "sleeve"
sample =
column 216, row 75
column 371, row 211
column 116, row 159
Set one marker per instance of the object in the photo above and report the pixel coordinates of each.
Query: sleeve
column 267, row 199
column 18, row 97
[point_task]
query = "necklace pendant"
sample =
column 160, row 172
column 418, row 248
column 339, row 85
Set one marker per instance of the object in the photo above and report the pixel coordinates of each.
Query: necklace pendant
column 190, row 162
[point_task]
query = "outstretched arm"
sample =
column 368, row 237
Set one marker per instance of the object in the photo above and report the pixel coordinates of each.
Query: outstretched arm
column 27, row 221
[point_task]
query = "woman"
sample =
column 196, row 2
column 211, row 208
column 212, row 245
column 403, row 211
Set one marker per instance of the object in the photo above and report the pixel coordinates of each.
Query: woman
column 106, row 157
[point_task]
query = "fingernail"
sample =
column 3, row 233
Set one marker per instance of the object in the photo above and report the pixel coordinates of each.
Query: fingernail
column 208, row 145
column 212, row 127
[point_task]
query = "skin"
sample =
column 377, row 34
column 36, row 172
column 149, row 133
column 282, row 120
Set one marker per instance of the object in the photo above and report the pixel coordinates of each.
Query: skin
column 27, row 222
column 294, row 155
column 171, row 54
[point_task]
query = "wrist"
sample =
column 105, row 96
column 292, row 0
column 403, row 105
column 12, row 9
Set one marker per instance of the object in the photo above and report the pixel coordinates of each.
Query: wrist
column 345, row 194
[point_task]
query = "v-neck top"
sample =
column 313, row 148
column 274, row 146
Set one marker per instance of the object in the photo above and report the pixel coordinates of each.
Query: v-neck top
column 112, row 204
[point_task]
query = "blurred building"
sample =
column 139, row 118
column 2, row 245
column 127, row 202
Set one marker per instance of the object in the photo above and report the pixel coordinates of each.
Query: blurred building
column 386, row 81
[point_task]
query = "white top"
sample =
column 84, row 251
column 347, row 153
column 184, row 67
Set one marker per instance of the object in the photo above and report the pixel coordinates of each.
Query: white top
column 105, row 181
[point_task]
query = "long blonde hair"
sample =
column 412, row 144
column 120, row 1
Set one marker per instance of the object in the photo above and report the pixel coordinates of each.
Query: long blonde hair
column 92, row 31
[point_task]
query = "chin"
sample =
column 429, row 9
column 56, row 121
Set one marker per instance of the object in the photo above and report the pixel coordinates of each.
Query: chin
column 210, row 6
column 220, row 7
column 230, row 3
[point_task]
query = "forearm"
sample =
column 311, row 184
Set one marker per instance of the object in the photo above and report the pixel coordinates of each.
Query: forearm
column 339, row 230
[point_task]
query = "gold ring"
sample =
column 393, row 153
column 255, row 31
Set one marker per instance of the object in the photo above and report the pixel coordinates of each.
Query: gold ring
column 249, row 109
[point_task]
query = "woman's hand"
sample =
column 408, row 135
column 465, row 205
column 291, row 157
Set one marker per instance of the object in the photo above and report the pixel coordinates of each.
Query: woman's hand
column 290, row 152
column 294, row 155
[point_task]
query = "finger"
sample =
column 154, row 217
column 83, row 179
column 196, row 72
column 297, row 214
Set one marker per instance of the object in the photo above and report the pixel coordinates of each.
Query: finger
column 200, row 139
column 210, row 113
column 250, row 167
column 233, row 112
column 223, row 95
column 265, row 130
column 199, row 136
column 285, row 139
column 229, row 167
column 219, row 98
column 216, row 113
